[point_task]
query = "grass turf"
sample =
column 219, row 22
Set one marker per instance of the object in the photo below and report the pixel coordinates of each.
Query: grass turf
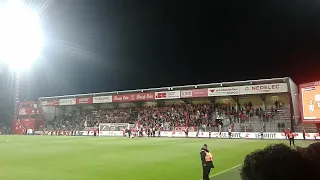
column 101, row 158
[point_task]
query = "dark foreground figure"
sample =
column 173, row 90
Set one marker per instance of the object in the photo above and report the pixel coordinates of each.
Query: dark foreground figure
column 280, row 162
column 206, row 160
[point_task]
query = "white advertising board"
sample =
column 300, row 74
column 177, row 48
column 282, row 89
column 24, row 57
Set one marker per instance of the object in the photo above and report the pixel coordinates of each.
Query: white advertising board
column 167, row 95
column 65, row 102
column 102, row 99
column 264, row 88
column 224, row 91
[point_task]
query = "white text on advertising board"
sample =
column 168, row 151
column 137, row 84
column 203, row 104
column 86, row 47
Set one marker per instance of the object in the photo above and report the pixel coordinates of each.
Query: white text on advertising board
column 144, row 96
column 83, row 100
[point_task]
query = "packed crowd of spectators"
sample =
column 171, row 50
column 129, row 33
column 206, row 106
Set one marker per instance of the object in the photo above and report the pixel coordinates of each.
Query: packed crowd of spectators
column 177, row 115
column 167, row 116
column 4, row 129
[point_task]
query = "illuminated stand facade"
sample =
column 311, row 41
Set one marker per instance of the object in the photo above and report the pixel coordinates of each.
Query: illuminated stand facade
column 261, row 93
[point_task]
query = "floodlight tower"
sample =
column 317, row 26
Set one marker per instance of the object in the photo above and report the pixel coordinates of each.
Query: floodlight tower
column 17, row 96
column 21, row 39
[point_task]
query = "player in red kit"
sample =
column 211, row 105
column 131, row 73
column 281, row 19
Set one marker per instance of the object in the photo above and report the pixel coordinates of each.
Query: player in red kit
column 229, row 133
column 291, row 138
column 186, row 131
column 286, row 132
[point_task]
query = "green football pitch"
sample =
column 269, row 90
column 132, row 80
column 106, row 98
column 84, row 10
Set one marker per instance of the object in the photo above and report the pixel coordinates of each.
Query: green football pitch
column 103, row 158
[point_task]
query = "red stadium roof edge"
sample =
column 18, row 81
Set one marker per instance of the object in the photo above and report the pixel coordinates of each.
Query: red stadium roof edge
column 210, row 85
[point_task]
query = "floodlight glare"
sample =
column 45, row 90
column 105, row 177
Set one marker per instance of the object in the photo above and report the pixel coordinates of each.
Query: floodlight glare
column 21, row 35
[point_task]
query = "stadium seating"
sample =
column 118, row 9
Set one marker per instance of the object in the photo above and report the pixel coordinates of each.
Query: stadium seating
column 203, row 116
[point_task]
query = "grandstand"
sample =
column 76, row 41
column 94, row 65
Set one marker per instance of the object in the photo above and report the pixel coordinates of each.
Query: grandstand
column 271, row 104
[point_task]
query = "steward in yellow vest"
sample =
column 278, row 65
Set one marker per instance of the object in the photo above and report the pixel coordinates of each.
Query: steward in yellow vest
column 206, row 160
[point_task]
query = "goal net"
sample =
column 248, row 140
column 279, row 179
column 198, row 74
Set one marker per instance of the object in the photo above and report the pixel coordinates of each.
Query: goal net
column 113, row 129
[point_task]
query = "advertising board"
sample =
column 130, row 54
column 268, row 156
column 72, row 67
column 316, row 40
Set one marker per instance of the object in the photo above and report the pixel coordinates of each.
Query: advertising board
column 264, row 88
column 167, row 95
column 310, row 101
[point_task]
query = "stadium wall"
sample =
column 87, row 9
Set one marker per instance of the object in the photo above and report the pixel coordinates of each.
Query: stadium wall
column 295, row 111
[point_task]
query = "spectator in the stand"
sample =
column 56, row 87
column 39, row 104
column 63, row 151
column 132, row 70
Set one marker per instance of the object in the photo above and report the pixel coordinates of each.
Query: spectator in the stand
column 276, row 104
column 283, row 126
column 168, row 117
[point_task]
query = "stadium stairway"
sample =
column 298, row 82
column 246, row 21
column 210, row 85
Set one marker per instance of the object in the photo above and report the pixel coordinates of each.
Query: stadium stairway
column 24, row 128
column 282, row 115
column 309, row 127
column 271, row 124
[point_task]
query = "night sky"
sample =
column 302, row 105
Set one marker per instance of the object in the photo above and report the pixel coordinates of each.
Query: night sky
column 106, row 45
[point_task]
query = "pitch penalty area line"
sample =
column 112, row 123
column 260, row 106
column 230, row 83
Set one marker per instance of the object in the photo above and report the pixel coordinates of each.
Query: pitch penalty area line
column 226, row 170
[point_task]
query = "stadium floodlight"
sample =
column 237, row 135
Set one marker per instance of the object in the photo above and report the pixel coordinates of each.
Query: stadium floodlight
column 21, row 35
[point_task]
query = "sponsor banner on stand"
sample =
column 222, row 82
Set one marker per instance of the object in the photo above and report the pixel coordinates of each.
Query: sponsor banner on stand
column 85, row 100
column 102, row 99
column 29, row 111
column 234, row 135
column 182, row 128
column 224, row 91
column 133, row 97
column 65, row 102
column 54, row 133
column 167, row 95
column 39, row 133
column 110, row 133
column 264, row 88
column 50, row 103
column 194, row 93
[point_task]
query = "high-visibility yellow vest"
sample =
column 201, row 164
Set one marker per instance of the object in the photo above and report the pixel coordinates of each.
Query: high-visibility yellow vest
column 208, row 156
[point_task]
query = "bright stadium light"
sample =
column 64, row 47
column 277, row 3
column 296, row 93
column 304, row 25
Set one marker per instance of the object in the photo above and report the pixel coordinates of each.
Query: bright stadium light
column 21, row 35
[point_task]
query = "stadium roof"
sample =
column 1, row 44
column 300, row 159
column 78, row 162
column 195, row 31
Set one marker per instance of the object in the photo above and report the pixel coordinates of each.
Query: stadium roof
column 186, row 87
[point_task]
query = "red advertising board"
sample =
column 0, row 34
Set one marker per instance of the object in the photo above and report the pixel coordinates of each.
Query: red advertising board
column 133, row 97
column 85, row 100
column 161, row 95
column 194, row 93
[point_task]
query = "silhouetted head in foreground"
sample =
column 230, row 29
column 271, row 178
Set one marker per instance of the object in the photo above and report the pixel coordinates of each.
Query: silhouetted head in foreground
column 275, row 162
column 311, row 155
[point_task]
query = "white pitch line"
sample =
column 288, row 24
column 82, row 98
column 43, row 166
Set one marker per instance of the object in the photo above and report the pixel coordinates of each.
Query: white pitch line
column 224, row 171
